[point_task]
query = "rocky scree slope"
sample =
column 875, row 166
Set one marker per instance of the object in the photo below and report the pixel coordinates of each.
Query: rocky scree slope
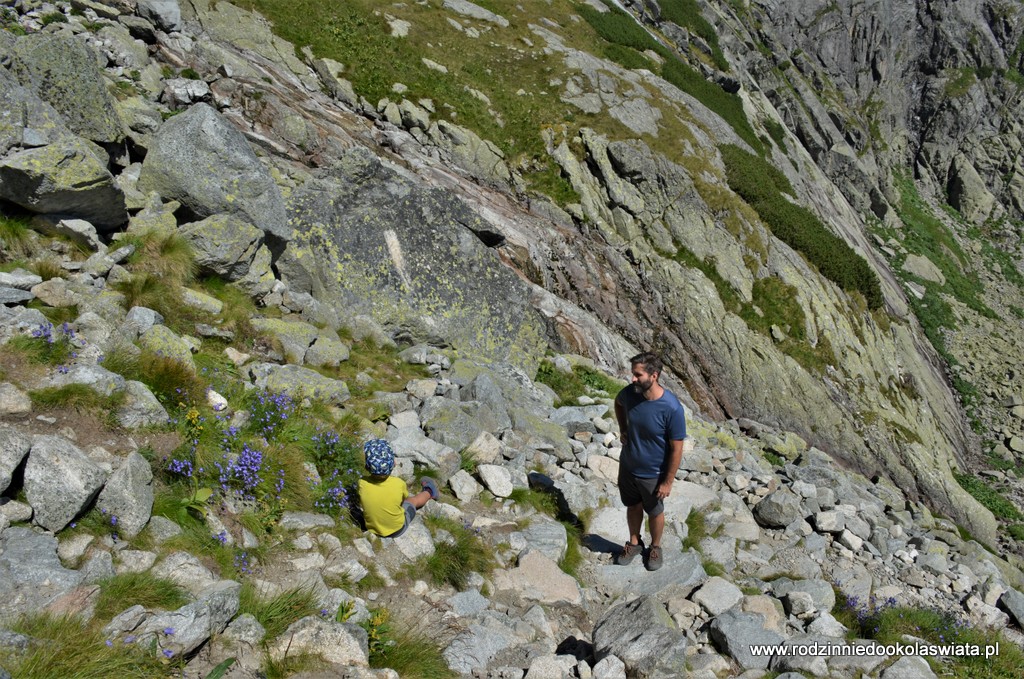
column 629, row 251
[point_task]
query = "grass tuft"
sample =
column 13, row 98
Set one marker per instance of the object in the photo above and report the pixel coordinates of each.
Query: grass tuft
column 452, row 562
column 276, row 613
column 144, row 589
column 64, row 646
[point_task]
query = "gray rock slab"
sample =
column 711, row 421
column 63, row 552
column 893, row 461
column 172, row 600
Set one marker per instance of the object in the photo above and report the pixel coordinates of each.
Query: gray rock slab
column 9, row 295
column 141, row 408
column 734, row 632
column 335, row 642
column 185, row 570
column 536, row 578
column 60, row 481
column 821, row 591
column 478, row 643
column 31, row 575
column 909, row 667
column 496, row 478
column 1013, row 601
column 182, row 631
column 643, row 636
column 20, row 279
column 544, row 535
column 717, row 595
column 681, row 569
column 128, row 495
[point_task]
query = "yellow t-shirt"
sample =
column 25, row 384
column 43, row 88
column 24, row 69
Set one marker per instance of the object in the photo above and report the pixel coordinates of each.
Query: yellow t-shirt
column 382, row 503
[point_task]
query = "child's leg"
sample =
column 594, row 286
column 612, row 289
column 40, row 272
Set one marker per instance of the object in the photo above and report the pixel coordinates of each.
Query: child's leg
column 419, row 499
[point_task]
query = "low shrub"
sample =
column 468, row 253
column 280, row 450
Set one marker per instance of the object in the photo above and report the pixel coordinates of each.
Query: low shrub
column 404, row 647
column 762, row 186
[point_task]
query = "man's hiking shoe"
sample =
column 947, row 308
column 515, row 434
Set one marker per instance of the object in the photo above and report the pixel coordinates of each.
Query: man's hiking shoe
column 629, row 552
column 655, row 558
column 431, row 485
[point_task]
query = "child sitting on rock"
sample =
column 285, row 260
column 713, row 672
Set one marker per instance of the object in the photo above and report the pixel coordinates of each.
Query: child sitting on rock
column 387, row 508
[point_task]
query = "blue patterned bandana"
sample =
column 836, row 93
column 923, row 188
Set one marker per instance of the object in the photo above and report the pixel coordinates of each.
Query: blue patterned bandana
column 380, row 458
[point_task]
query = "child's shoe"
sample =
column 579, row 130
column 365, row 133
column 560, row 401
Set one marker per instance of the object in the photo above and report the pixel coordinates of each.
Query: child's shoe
column 431, row 485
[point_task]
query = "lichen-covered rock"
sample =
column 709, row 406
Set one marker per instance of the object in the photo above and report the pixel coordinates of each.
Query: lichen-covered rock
column 33, row 121
column 327, row 350
column 162, row 341
column 298, row 382
column 294, row 336
column 66, row 177
column 225, row 245
column 64, row 71
column 411, row 258
column 200, row 160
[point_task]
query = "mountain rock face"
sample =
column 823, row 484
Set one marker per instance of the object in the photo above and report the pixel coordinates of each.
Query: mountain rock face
column 410, row 223
column 393, row 212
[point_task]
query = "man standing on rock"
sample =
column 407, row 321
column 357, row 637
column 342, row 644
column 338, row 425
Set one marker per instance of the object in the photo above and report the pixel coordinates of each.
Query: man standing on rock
column 652, row 425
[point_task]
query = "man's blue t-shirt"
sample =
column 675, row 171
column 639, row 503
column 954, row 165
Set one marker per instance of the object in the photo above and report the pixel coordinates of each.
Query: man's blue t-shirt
column 652, row 425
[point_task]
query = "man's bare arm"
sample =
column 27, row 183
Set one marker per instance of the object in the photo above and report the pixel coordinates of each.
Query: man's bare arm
column 675, row 457
column 620, row 415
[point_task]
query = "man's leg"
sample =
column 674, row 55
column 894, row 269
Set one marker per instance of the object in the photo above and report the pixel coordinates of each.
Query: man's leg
column 657, row 526
column 635, row 521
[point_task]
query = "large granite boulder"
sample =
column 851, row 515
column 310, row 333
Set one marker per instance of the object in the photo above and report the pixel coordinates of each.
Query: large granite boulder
column 200, row 160
column 232, row 248
column 128, row 495
column 68, row 177
column 60, row 481
column 64, row 71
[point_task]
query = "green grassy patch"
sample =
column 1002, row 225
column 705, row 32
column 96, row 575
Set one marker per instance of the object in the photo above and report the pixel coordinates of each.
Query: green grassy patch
column 581, row 381
column 80, row 397
column 728, row 106
column 64, row 646
column 15, row 238
column 143, row 589
column 888, row 623
column 696, row 530
column 762, row 186
column 989, row 497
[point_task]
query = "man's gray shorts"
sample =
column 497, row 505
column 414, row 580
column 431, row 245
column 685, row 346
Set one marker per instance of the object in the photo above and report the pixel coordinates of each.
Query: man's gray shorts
column 410, row 514
column 635, row 491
